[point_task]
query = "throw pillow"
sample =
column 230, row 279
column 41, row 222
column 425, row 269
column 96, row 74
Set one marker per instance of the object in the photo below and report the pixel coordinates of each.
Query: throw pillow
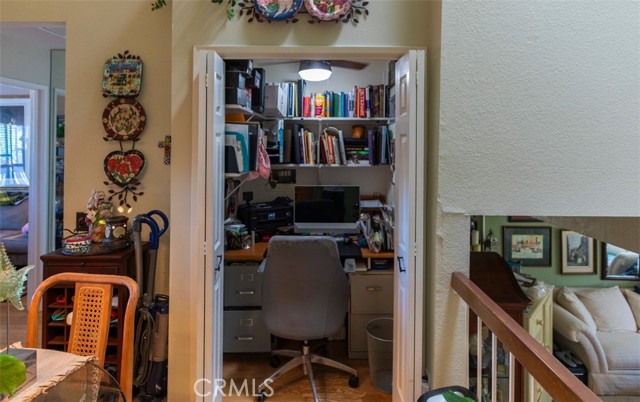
column 570, row 301
column 634, row 302
column 609, row 309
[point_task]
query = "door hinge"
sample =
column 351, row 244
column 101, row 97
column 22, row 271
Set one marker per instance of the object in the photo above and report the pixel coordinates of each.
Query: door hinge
column 206, row 80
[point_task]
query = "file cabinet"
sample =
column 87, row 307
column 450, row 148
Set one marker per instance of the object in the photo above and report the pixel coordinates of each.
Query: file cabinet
column 371, row 297
column 244, row 330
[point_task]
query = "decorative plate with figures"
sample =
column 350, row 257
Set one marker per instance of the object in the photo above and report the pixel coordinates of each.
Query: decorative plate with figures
column 277, row 10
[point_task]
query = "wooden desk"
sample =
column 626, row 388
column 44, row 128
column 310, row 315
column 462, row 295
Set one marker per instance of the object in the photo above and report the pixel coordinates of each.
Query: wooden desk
column 371, row 297
column 256, row 253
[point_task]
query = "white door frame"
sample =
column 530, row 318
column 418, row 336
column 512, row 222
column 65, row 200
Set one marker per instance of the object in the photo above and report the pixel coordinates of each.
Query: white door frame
column 41, row 176
column 199, row 119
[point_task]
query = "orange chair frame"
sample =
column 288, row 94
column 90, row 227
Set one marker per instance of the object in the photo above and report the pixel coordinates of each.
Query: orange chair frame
column 92, row 287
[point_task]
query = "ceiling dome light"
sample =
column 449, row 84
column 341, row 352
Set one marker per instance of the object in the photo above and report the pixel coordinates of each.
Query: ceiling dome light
column 314, row 70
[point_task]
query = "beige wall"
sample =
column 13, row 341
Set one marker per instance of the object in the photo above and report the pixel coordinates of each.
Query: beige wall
column 96, row 31
column 200, row 23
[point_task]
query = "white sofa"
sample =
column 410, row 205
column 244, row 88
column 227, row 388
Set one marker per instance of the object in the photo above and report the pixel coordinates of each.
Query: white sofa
column 601, row 326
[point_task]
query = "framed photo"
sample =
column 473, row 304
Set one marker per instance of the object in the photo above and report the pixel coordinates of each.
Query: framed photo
column 522, row 219
column 529, row 244
column 578, row 253
column 619, row 264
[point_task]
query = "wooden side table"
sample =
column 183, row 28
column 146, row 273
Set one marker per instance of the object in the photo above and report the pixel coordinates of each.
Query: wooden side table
column 55, row 332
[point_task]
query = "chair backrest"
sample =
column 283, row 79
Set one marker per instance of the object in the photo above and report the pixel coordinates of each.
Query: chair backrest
column 91, row 318
column 305, row 289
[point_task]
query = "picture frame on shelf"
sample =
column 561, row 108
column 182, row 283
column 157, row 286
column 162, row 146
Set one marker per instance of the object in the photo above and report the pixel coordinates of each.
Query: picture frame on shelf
column 578, row 253
column 619, row 264
column 530, row 244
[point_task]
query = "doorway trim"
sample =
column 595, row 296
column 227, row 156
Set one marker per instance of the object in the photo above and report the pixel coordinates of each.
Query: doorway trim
column 40, row 180
column 198, row 128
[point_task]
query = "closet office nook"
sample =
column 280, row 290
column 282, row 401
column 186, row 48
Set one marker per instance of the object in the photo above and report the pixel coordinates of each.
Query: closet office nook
column 348, row 140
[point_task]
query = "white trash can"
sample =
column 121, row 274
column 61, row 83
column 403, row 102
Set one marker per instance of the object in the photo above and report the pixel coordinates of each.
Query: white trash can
column 380, row 347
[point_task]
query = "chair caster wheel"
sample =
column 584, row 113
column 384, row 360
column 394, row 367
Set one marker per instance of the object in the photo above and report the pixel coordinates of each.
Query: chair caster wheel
column 274, row 361
column 354, row 381
column 260, row 397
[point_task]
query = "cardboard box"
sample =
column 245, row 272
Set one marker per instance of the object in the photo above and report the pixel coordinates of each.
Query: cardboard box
column 275, row 101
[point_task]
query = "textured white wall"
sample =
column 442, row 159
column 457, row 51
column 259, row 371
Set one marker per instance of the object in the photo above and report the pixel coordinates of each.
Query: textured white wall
column 540, row 108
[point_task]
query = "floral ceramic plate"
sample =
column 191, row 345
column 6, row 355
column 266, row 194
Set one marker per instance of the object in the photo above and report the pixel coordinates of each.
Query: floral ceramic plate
column 277, row 10
column 328, row 10
column 123, row 167
column 123, row 119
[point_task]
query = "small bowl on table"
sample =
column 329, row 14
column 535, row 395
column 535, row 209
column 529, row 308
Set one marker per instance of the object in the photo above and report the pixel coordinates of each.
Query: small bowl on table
column 77, row 244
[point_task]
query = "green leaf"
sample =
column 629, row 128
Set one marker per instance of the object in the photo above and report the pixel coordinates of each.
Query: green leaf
column 451, row 396
column 12, row 373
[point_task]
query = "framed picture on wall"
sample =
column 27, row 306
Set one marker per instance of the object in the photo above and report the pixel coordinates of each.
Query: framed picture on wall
column 521, row 218
column 619, row 264
column 578, row 253
column 529, row 244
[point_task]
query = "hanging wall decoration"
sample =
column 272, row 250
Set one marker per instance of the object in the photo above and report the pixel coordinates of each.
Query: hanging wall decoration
column 317, row 11
column 123, row 120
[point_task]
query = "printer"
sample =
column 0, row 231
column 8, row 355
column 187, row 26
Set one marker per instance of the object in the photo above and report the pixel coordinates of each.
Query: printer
column 266, row 216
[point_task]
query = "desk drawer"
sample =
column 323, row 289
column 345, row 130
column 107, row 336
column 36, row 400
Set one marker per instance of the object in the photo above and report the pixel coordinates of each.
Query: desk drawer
column 371, row 294
column 244, row 331
column 242, row 286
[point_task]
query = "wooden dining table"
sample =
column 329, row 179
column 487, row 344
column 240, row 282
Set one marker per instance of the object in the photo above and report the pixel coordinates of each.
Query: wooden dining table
column 64, row 376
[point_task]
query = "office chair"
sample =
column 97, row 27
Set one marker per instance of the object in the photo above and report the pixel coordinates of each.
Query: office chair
column 91, row 318
column 304, row 297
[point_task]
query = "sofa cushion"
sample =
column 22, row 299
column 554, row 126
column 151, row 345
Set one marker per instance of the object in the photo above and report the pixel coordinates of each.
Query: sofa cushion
column 622, row 349
column 609, row 309
column 633, row 299
column 570, row 301
column 14, row 216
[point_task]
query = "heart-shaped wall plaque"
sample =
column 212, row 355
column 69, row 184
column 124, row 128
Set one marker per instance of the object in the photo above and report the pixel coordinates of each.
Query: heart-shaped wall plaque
column 124, row 167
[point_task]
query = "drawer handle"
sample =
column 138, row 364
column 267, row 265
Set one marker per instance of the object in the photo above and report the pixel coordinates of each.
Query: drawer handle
column 244, row 338
column 374, row 288
column 539, row 321
column 246, row 292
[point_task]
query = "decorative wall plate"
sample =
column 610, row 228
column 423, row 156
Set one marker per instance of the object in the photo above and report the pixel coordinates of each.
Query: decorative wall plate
column 123, row 168
column 122, row 76
column 277, row 10
column 123, row 119
column 328, row 10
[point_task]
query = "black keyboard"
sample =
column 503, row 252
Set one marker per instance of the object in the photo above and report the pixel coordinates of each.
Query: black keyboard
column 351, row 250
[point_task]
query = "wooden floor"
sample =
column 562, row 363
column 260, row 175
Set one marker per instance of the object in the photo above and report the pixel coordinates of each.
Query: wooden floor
column 294, row 386
column 332, row 384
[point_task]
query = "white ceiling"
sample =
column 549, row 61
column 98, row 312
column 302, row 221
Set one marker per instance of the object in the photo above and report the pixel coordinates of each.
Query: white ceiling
column 44, row 35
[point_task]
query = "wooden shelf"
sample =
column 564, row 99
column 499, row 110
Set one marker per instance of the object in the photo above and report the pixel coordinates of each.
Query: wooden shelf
column 55, row 333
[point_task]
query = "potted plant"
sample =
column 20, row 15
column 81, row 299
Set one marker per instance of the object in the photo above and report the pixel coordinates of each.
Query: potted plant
column 13, row 372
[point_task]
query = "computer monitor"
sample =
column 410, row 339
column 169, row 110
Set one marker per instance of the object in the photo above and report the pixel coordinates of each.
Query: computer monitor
column 326, row 209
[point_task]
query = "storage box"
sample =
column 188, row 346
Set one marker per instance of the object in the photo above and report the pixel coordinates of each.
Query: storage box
column 235, row 96
column 257, row 90
column 234, row 79
column 275, row 101
column 244, row 66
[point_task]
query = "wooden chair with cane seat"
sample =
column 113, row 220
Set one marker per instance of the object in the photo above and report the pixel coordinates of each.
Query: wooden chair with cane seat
column 91, row 318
